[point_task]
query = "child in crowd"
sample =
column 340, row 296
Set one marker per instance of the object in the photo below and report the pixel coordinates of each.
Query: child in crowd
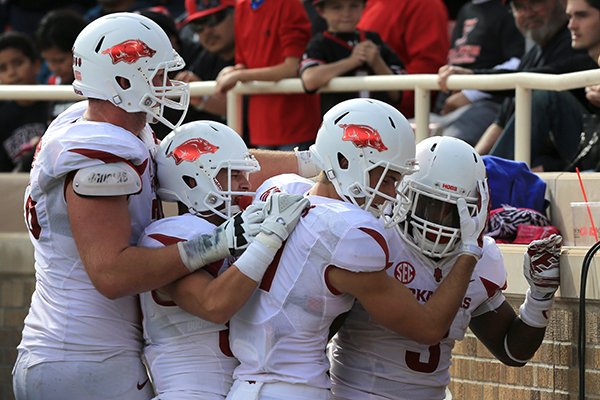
column 23, row 122
column 54, row 39
column 345, row 50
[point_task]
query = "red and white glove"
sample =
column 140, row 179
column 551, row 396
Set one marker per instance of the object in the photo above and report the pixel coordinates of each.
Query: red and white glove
column 541, row 268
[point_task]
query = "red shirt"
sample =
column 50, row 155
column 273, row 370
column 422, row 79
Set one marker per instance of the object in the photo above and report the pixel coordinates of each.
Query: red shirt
column 265, row 37
column 417, row 30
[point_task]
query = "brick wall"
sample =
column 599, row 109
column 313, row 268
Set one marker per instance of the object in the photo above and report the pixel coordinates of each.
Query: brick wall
column 552, row 374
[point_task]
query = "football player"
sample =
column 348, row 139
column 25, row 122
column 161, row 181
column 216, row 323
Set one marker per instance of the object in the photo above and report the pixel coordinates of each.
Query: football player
column 368, row 361
column 204, row 167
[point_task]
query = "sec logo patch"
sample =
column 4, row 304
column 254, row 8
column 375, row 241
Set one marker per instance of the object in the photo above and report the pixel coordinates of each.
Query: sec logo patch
column 404, row 272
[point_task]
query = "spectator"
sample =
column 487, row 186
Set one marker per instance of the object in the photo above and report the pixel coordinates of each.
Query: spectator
column 344, row 50
column 189, row 357
column 212, row 23
column 417, row 31
column 23, row 122
column 545, row 24
column 105, row 7
column 82, row 336
column 55, row 37
column 369, row 361
column 270, row 37
column 484, row 36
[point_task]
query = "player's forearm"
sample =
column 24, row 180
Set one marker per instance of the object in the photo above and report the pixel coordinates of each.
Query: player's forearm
column 521, row 343
column 446, row 300
column 135, row 270
column 212, row 299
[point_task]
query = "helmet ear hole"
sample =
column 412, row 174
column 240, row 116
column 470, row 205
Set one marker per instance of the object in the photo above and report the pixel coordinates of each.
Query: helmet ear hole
column 123, row 83
column 189, row 181
column 342, row 161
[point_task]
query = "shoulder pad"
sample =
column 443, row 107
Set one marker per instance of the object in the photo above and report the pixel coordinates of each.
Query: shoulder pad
column 113, row 179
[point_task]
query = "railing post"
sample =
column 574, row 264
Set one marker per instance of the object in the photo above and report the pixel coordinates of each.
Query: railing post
column 235, row 110
column 523, row 125
column 422, row 105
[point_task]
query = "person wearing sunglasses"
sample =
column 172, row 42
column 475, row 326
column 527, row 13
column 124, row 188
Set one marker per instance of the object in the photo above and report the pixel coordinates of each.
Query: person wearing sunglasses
column 212, row 26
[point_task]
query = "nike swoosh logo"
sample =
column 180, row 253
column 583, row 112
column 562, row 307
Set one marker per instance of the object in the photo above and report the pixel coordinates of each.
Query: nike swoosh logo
column 140, row 386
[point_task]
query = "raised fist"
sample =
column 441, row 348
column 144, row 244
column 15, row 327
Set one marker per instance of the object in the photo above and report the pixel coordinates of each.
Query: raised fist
column 541, row 266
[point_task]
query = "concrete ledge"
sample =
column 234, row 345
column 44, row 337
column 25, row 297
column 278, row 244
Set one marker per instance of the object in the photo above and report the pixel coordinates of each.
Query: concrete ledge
column 16, row 253
column 571, row 261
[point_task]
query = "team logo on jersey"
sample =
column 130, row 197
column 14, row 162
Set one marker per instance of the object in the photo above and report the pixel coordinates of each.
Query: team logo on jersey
column 191, row 150
column 363, row 136
column 129, row 51
column 404, row 272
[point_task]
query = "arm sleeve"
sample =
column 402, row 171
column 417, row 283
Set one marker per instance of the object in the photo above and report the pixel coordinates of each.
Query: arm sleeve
column 294, row 30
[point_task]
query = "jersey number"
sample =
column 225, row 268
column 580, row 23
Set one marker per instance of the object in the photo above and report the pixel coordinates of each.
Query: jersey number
column 412, row 359
column 31, row 218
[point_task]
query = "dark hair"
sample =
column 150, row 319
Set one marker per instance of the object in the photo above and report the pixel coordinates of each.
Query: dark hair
column 594, row 3
column 59, row 28
column 19, row 41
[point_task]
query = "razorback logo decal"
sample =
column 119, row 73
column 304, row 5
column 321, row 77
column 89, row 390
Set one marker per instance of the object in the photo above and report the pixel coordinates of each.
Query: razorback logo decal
column 191, row 150
column 129, row 51
column 363, row 136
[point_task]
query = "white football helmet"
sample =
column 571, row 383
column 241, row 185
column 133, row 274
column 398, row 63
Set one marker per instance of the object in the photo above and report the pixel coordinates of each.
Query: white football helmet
column 449, row 169
column 367, row 133
column 133, row 47
column 188, row 161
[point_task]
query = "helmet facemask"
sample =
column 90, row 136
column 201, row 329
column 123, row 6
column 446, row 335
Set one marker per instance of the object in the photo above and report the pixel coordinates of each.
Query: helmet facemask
column 169, row 94
column 431, row 223
column 223, row 202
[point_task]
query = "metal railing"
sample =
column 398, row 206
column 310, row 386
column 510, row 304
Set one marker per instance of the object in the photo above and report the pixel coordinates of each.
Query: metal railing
column 422, row 84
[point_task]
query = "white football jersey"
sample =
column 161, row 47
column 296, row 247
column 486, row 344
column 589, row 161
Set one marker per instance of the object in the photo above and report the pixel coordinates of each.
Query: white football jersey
column 69, row 319
column 281, row 333
column 188, row 357
column 369, row 361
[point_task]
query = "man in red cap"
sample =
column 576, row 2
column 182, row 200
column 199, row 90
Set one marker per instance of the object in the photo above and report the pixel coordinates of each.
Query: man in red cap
column 212, row 24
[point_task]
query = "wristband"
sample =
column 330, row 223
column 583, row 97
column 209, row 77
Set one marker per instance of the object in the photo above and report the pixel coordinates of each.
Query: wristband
column 306, row 166
column 255, row 260
column 535, row 313
column 509, row 354
column 472, row 250
column 204, row 249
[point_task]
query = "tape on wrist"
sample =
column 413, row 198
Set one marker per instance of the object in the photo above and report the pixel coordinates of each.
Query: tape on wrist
column 509, row 354
column 471, row 249
column 535, row 313
column 204, row 249
column 306, row 167
column 255, row 260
